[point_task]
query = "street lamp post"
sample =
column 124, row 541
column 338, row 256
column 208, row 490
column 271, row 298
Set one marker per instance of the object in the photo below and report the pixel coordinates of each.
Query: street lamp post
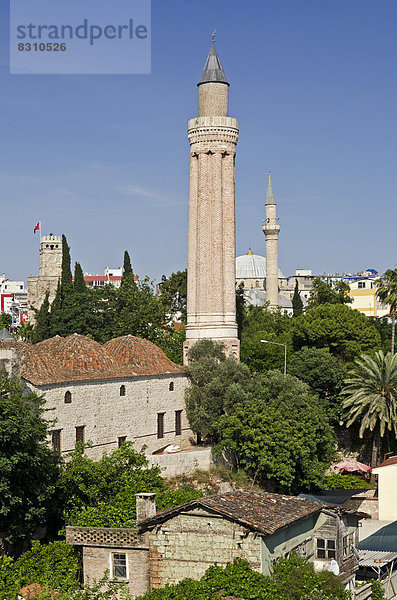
column 285, row 352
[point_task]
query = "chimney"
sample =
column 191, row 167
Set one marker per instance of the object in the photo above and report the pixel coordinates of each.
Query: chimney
column 145, row 506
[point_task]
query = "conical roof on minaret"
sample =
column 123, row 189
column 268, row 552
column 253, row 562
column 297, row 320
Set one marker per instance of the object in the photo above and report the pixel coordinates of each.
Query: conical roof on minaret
column 213, row 71
column 269, row 194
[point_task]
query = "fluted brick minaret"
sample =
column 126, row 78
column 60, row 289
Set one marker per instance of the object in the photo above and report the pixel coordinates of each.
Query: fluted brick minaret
column 271, row 229
column 211, row 288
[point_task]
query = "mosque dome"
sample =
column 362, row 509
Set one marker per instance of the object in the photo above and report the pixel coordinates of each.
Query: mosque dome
column 258, row 298
column 252, row 266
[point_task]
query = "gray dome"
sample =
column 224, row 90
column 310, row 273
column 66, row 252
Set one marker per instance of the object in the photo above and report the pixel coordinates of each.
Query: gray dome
column 258, row 298
column 252, row 266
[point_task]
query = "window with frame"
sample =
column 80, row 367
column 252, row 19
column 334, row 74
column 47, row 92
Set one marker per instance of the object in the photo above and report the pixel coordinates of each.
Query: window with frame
column 326, row 549
column 122, row 390
column 56, row 440
column 80, row 434
column 178, row 422
column 160, row 425
column 347, row 544
column 119, row 565
column 68, row 397
column 361, row 285
column 171, row 386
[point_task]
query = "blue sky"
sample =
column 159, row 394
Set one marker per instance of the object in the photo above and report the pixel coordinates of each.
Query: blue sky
column 105, row 159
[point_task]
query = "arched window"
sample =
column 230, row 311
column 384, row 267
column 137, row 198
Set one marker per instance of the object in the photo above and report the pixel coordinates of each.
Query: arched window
column 68, row 397
column 122, row 390
column 257, row 284
column 171, row 386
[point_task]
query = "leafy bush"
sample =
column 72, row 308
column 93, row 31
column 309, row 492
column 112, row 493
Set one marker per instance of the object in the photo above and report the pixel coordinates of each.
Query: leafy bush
column 293, row 579
column 377, row 591
column 102, row 493
column 345, row 482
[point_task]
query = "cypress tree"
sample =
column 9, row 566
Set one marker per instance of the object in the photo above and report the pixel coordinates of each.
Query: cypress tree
column 128, row 275
column 297, row 303
column 79, row 285
column 66, row 277
column 56, row 312
column 42, row 328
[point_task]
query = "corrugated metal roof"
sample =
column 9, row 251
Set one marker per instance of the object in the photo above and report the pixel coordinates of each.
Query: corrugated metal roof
column 376, row 558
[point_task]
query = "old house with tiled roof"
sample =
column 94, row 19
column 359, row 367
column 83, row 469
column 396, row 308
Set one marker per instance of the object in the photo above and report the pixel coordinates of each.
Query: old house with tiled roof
column 185, row 540
column 126, row 389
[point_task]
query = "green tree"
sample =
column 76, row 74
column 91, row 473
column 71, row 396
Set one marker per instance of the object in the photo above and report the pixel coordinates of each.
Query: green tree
column 297, row 302
column 128, row 273
column 371, row 397
column 328, row 292
column 102, row 493
column 5, row 320
column 42, row 328
column 280, row 436
column 257, row 324
column 323, row 372
column 66, row 274
column 173, row 295
column 28, row 468
column 387, row 293
column 346, row 332
column 25, row 332
column 217, row 384
column 54, row 566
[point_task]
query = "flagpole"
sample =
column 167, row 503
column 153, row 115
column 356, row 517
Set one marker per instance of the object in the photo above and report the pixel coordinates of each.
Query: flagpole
column 39, row 234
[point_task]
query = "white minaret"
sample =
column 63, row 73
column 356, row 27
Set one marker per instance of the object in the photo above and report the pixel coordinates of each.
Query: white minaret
column 211, row 283
column 271, row 230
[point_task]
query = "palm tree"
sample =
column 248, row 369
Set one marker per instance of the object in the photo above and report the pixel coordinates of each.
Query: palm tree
column 387, row 293
column 371, row 392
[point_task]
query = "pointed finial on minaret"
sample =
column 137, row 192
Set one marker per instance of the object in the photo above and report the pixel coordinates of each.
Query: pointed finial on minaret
column 250, row 253
column 269, row 194
column 213, row 37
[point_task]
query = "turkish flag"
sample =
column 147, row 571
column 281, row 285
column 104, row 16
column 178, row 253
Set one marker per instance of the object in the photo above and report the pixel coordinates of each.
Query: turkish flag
column 37, row 228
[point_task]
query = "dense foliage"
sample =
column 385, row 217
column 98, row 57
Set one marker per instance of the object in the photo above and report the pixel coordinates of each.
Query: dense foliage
column 345, row 332
column 102, row 493
column 325, row 375
column 345, row 482
column 29, row 469
column 387, row 293
column 260, row 324
column 281, row 436
column 5, row 320
column 371, row 397
column 328, row 292
column 272, row 427
column 293, row 578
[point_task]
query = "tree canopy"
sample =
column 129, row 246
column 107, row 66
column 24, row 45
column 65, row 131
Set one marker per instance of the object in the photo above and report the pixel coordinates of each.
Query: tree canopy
column 281, row 436
column 102, row 493
column 346, row 332
column 328, row 292
column 29, row 469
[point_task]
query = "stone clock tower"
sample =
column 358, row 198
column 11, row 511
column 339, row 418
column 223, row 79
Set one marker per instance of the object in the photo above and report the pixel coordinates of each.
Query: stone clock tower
column 211, row 287
column 50, row 272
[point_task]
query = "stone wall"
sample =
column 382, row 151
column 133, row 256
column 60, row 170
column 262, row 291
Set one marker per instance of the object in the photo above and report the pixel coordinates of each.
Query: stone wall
column 106, row 416
column 185, row 461
column 99, row 546
column 188, row 544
